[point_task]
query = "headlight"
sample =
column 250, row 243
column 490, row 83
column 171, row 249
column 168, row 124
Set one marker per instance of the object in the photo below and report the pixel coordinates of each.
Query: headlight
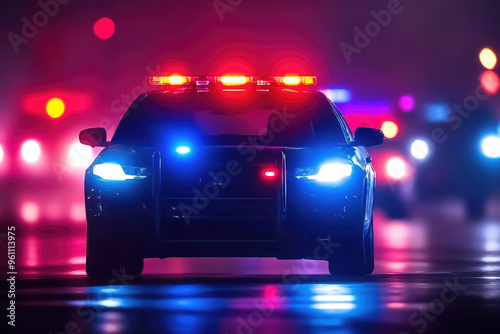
column 116, row 172
column 330, row 172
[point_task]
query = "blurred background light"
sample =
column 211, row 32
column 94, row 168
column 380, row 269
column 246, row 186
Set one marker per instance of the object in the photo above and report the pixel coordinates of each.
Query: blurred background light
column 104, row 28
column 30, row 212
column 437, row 112
column 390, row 129
column 338, row 95
column 55, row 107
column 491, row 146
column 406, row 103
column 1, row 154
column 396, row 168
column 79, row 155
column 490, row 82
column 488, row 58
column 77, row 212
column 419, row 149
column 31, row 151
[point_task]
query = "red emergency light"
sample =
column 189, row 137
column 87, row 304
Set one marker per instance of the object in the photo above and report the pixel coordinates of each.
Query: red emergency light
column 231, row 80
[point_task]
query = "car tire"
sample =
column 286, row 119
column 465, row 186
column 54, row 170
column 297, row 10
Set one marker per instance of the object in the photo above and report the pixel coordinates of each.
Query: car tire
column 369, row 251
column 354, row 257
column 108, row 256
column 348, row 259
column 103, row 255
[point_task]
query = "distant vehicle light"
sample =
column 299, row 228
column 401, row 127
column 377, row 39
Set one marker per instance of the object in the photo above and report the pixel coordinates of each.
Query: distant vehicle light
column 330, row 172
column 419, row 149
column 490, row 82
column 31, row 151
column 488, row 58
column 390, row 129
column 55, row 107
column 115, row 172
column 233, row 80
column 183, row 150
column 30, row 212
column 104, row 28
column 406, row 103
column 437, row 112
column 491, row 147
column 397, row 168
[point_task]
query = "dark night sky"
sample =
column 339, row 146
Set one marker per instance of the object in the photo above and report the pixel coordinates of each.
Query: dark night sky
column 430, row 49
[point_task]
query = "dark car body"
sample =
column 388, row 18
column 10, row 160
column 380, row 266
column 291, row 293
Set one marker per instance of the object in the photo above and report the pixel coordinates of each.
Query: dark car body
column 240, row 190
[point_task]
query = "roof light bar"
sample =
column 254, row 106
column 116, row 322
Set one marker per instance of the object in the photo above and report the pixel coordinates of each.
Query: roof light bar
column 231, row 80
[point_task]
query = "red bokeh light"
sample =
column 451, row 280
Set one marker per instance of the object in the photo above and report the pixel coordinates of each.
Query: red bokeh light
column 490, row 82
column 104, row 28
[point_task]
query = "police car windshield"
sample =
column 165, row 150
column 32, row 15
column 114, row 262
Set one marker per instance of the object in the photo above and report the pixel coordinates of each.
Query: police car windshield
column 285, row 119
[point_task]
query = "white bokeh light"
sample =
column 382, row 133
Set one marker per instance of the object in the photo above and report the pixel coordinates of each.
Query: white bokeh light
column 31, row 151
column 419, row 149
column 396, row 168
column 491, row 146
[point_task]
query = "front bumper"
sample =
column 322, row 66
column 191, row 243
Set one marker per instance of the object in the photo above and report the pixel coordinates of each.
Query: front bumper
column 298, row 218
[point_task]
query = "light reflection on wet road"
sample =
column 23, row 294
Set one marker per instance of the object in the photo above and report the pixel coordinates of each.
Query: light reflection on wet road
column 436, row 273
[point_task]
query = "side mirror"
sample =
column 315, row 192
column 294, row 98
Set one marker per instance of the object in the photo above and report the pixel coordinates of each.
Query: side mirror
column 368, row 137
column 94, row 137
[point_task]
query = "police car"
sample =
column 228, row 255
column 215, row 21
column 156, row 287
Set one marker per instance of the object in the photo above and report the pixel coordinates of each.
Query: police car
column 230, row 166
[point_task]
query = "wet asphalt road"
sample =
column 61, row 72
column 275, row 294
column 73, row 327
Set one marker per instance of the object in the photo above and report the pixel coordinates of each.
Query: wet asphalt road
column 435, row 273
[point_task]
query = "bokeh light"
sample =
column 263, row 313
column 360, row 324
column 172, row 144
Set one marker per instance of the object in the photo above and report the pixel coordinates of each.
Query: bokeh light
column 1, row 154
column 31, row 151
column 55, row 107
column 491, row 146
column 77, row 212
column 104, row 28
column 406, row 103
column 419, row 149
column 79, row 155
column 488, row 58
column 390, row 129
column 30, row 212
column 490, row 82
column 396, row 168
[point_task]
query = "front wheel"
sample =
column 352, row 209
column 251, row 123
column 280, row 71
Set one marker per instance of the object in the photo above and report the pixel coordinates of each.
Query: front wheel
column 108, row 256
column 354, row 257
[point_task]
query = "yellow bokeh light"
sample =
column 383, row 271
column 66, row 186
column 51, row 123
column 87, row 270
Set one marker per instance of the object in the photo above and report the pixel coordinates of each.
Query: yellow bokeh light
column 390, row 129
column 55, row 107
column 488, row 58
